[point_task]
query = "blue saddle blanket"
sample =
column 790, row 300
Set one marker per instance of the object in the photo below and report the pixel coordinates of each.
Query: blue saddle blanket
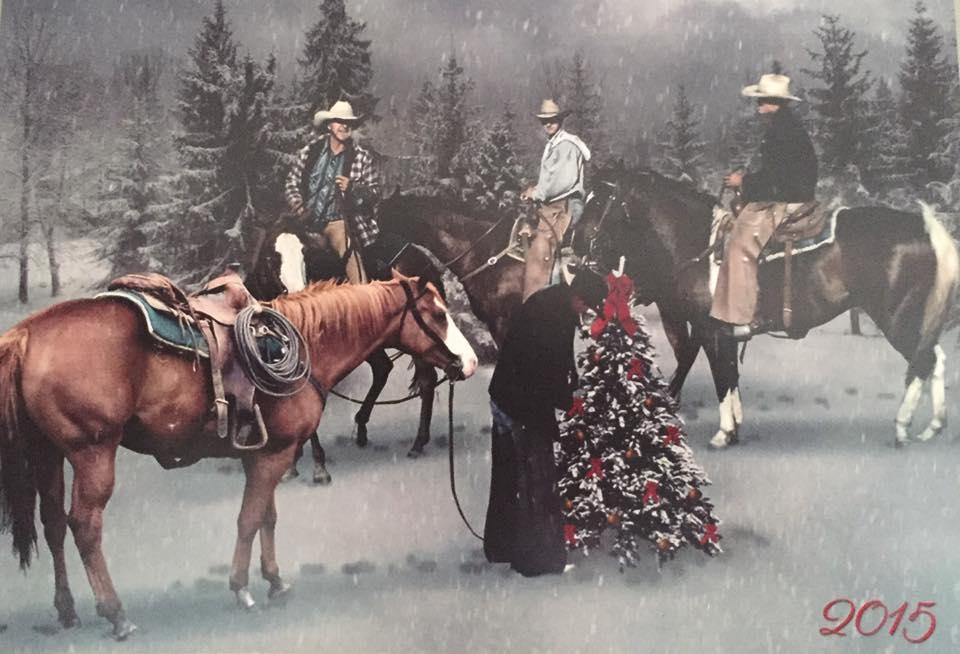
column 774, row 250
column 164, row 326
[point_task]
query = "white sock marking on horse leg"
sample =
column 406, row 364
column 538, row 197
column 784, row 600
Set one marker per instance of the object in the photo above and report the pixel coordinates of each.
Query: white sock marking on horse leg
column 911, row 398
column 937, row 396
column 292, row 274
column 737, row 407
column 457, row 343
column 728, row 424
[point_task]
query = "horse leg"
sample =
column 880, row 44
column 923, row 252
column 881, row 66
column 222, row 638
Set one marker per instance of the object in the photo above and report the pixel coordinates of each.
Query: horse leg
column 92, row 487
column 685, row 347
column 380, row 366
column 51, row 486
column 425, row 381
column 722, row 355
column 927, row 366
column 269, row 569
column 320, row 473
column 263, row 471
column 937, row 396
column 292, row 472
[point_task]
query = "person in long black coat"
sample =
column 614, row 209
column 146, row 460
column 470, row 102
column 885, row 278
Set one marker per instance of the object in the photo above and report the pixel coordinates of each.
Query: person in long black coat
column 534, row 376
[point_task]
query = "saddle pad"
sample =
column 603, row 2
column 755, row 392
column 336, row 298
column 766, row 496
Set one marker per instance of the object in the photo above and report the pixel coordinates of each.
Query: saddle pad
column 165, row 327
column 827, row 235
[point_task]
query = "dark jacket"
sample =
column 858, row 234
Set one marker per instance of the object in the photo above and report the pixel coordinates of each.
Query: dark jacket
column 536, row 371
column 788, row 169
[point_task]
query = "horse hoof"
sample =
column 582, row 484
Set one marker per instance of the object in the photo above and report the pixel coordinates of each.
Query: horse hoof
column 280, row 592
column 69, row 621
column 123, row 630
column 321, row 477
column 362, row 440
column 928, row 434
column 900, row 443
column 245, row 599
column 723, row 439
column 291, row 473
column 415, row 453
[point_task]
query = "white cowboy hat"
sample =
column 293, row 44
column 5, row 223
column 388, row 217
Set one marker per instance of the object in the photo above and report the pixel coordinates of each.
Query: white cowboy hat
column 771, row 86
column 550, row 109
column 341, row 111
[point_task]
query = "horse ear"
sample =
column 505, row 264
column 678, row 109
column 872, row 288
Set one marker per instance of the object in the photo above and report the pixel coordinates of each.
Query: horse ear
column 422, row 282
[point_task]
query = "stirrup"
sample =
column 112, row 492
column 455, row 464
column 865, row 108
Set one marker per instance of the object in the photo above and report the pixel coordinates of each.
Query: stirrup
column 239, row 436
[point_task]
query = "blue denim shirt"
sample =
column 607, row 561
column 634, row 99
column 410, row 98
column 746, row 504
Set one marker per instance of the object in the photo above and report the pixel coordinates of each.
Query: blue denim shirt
column 323, row 204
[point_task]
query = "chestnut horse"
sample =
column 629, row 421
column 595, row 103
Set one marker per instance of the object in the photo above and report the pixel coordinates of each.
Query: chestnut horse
column 901, row 268
column 82, row 378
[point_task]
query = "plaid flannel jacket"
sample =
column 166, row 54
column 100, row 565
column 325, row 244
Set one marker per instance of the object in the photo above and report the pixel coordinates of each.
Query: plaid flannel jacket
column 358, row 203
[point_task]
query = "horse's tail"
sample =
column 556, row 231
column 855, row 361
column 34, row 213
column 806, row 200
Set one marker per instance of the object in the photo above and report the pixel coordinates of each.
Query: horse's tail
column 18, row 489
column 941, row 298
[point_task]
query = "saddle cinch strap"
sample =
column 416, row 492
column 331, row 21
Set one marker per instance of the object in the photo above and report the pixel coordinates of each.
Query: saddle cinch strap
column 214, row 311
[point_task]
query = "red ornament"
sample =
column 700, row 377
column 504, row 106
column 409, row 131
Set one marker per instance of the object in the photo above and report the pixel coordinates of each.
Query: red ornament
column 596, row 469
column 694, row 494
column 649, row 402
column 597, row 327
column 650, row 495
column 710, row 535
column 570, row 534
column 577, row 408
column 637, row 369
column 673, row 435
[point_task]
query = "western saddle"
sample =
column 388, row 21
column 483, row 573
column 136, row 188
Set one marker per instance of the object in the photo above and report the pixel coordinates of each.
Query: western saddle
column 214, row 310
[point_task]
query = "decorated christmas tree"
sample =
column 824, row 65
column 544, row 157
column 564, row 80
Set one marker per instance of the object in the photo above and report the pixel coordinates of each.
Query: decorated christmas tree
column 624, row 461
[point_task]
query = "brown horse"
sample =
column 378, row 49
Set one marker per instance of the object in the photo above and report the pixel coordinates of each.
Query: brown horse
column 902, row 269
column 82, row 378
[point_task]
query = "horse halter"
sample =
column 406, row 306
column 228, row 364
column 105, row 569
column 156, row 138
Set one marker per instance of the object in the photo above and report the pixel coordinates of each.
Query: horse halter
column 454, row 369
column 593, row 233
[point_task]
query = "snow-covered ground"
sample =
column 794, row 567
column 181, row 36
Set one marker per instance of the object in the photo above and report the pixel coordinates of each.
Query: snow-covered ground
column 816, row 505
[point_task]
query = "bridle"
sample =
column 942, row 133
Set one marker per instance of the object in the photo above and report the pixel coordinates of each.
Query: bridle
column 593, row 233
column 454, row 369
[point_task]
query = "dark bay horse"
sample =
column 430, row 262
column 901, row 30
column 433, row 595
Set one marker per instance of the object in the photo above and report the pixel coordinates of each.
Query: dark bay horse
column 283, row 265
column 82, row 378
column 901, row 268
column 450, row 233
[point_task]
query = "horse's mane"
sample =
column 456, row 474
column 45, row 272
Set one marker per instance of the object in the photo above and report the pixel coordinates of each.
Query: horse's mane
column 334, row 306
column 433, row 209
column 675, row 186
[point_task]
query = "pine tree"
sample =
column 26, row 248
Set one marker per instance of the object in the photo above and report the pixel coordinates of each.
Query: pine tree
column 336, row 62
column 624, row 461
column 138, row 203
column 230, row 161
column 496, row 169
column 947, row 156
column 926, row 76
column 839, row 102
column 887, row 167
column 583, row 99
column 440, row 122
column 683, row 148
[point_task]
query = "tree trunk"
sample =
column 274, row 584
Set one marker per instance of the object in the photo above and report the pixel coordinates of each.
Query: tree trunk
column 49, row 228
column 25, row 192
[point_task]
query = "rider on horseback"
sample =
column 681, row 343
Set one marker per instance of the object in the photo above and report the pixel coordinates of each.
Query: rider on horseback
column 559, row 196
column 787, row 179
column 333, row 187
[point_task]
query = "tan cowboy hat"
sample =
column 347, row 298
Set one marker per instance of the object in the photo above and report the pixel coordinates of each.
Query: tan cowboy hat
column 341, row 111
column 550, row 109
column 771, row 86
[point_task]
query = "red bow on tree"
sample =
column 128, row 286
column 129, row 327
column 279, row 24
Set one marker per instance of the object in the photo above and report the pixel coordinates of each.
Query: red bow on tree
column 576, row 409
column 596, row 469
column 616, row 306
column 570, row 534
column 637, row 369
column 673, row 435
column 650, row 495
column 710, row 535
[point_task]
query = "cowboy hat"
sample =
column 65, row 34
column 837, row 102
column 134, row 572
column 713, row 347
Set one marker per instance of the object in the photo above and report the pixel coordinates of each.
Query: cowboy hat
column 550, row 109
column 771, row 86
column 341, row 111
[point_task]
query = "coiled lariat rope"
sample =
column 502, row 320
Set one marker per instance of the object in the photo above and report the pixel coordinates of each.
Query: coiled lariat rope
column 272, row 351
